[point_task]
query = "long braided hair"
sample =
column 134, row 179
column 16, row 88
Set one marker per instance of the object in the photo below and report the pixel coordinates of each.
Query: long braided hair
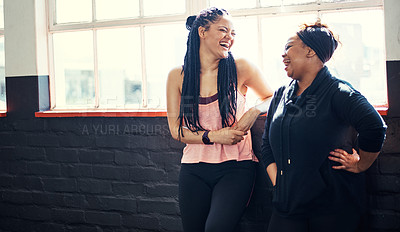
column 226, row 80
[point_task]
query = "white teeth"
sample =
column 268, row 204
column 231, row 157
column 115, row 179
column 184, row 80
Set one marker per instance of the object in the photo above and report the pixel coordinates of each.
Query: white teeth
column 226, row 45
column 286, row 62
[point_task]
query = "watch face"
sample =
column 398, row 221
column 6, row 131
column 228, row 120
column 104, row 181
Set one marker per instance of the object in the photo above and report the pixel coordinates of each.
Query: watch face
column 205, row 138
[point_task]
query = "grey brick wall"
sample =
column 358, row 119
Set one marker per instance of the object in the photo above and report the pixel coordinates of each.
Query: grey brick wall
column 121, row 174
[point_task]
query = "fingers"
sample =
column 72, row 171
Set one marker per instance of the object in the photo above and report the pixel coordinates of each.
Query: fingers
column 339, row 167
column 238, row 136
column 336, row 159
column 241, row 127
column 337, row 154
column 230, row 135
column 341, row 160
column 239, row 132
column 347, row 161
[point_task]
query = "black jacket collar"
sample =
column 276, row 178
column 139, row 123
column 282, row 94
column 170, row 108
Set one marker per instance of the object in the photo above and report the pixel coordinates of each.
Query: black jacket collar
column 315, row 87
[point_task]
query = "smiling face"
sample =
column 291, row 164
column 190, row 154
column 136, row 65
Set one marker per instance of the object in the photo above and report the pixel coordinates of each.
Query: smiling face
column 218, row 38
column 295, row 57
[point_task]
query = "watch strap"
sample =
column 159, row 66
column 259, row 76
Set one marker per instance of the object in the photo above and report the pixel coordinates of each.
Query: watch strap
column 205, row 138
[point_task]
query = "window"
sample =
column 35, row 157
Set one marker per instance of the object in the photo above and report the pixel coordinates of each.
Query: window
column 114, row 54
column 117, row 54
column 264, row 27
column 2, row 62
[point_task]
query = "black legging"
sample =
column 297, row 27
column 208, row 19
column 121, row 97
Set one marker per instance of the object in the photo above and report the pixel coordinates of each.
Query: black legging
column 345, row 221
column 213, row 197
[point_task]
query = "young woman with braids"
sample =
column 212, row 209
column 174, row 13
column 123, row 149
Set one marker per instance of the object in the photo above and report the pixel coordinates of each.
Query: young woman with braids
column 309, row 144
column 206, row 110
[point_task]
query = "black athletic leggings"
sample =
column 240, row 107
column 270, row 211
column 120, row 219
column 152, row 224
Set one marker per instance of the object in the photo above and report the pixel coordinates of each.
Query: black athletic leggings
column 213, row 197
column 345, row 221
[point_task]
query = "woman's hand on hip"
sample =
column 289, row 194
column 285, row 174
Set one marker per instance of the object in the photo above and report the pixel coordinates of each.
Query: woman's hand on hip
column 349, row 162
column 226, row 136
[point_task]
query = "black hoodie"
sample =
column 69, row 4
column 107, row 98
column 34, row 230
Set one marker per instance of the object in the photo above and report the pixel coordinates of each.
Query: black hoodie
column 300, row 131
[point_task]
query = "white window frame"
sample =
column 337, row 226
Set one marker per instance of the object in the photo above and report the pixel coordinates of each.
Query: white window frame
column 2, row 36
column 2, row 29
column 192, row 7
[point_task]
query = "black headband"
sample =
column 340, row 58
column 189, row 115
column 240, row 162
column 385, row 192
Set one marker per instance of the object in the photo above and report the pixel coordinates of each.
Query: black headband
column 319, row 39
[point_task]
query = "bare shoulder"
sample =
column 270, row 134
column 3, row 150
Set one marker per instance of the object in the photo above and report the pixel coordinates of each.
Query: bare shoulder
column 243, row 65
column 175, row 77
column 246, row 69
column 249, row 75
column 175, row 73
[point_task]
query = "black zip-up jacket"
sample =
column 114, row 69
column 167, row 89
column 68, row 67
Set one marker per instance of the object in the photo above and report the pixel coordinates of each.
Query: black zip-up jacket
column 300, row 131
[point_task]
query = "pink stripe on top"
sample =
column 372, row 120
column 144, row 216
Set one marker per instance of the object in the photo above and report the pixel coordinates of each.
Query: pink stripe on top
column 210, row 119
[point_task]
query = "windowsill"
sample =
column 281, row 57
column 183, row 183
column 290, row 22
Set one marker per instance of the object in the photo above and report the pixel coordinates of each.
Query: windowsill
column 3, row 114
column 382, row 110
column 100, row 113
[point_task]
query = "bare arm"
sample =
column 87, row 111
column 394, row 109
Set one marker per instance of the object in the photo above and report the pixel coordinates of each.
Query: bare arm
column 249, row 75
column 224, row 136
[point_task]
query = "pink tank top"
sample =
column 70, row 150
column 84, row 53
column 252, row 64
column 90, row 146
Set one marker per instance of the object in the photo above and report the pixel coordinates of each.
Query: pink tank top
column 210, row 119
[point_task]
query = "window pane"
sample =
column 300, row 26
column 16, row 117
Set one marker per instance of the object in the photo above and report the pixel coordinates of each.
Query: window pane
column 165, row 49
column 361, row 57
column 162, row 7
column 229, row 4
column 297, row 2
column 73, row 11
column 275, row 33
column 1, row 13
column 246, row 39
column 246, row 45
column 116, row 9
column 267, row 3
column 74, row 75
column 120, row 71
column 342, row 0
column 2, row 76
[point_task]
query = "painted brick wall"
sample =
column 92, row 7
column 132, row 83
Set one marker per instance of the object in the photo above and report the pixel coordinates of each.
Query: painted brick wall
column 82, row 174
column 121, row 174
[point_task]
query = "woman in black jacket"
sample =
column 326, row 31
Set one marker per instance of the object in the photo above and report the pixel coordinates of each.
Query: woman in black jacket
column 309, row 141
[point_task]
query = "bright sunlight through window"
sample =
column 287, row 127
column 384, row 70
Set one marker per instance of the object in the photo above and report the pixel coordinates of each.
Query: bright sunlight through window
column 117, row 54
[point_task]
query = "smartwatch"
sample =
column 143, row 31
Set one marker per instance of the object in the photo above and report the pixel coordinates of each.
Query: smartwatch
column 205, row 138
